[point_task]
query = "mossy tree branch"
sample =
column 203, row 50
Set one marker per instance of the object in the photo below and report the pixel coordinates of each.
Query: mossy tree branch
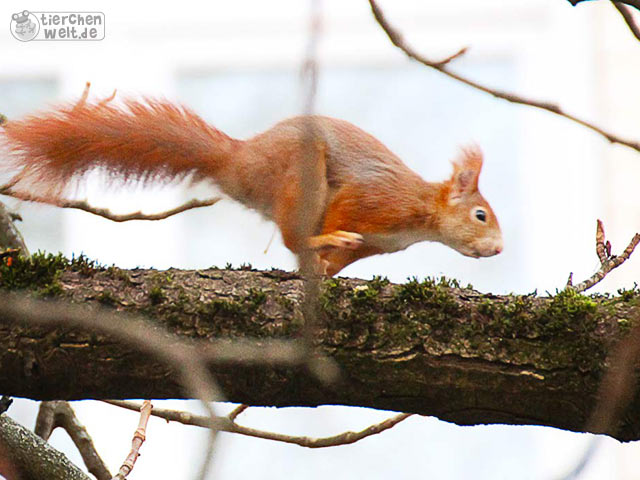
column 431, row 348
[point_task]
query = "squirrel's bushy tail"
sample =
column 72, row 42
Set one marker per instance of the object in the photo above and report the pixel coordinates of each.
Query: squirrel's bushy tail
column 149, row 141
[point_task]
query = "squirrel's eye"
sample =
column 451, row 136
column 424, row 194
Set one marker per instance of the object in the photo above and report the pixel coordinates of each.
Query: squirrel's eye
column 481, row 215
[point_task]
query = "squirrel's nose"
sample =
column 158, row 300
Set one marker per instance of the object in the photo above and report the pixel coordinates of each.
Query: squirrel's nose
column 498, row 249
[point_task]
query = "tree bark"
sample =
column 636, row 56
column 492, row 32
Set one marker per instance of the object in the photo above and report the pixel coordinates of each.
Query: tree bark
column 25, row 456
column 431, row 348
column 10, row 237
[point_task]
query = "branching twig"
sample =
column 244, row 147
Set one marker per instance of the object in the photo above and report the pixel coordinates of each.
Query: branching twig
column 399, row 42
column 138, row 439
column 237, row 411
column 628, row 18
column 54, row 414
column 104, row 212
column 226, row 424
column 607, row 261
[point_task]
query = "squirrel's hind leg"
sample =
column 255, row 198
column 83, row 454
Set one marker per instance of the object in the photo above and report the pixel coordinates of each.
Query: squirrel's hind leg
column 333, row 260
column 336, row 239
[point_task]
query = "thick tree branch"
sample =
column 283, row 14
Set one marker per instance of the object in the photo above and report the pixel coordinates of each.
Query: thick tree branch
column 427, row 348
column 30, row 457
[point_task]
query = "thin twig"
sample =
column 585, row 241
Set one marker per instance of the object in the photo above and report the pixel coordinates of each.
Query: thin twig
column 399, row 42
column 628, row 18
column 54, row 414
column 104, row 212
column 633, row 3
column 225, row 424
column 138, row 439
column 237, row 411
column 607, row 261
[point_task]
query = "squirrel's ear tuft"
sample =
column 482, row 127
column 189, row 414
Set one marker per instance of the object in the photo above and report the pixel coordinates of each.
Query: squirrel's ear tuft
column 466, row 170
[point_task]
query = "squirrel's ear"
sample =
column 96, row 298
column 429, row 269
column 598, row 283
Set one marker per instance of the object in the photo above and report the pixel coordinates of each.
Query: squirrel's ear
column 466, row 170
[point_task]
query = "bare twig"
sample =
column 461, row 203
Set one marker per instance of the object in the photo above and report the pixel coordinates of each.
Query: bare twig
column 628, row 18
column 226, row 424
column 633, row 3
column 106, row 213
column 54, row 414
column 85, row 95
column 237, row 411
column 399, row 42
column 138, row 439
column 607, row 261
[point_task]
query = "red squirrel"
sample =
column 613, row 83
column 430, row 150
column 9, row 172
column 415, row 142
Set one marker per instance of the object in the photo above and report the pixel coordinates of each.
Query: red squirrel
column 370, row 202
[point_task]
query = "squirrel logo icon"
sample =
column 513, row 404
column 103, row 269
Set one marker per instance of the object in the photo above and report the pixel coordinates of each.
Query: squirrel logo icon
column 24, row 26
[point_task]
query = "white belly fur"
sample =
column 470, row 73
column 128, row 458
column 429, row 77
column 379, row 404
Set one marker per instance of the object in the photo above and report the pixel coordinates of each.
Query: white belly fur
column 392, row 242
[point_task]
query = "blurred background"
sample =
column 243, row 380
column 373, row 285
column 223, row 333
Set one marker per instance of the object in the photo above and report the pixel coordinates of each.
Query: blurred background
column 237, row 64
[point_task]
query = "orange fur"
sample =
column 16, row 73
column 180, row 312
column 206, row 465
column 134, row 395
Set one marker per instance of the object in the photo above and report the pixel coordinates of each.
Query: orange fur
column 366, row 201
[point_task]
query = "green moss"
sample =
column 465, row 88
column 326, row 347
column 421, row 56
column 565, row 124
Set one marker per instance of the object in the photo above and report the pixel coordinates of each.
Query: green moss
column 429, row 294
column 119, row 274
column 629, row 295
column 157, row 282
column 432, row 303
column 156, row 295
column 330, row 294
column 40, row 271
column 487, row 308
column 85, row 266
column 255, row 298
column 107, row 298
column 51, row 290
column 568, row 311
column 285, row 302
